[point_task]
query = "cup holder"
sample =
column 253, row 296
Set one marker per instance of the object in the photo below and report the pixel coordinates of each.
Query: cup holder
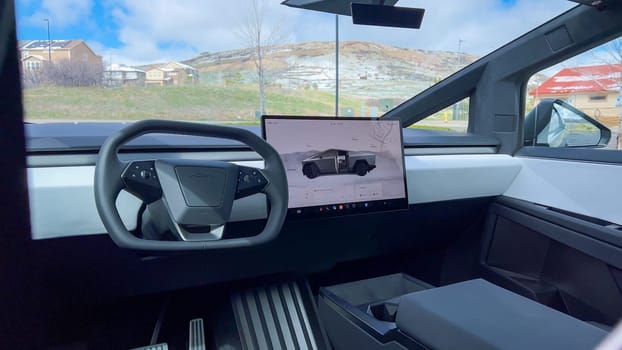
column 384, row 311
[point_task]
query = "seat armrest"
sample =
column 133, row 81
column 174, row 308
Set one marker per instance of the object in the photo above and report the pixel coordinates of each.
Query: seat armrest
column 479, row 315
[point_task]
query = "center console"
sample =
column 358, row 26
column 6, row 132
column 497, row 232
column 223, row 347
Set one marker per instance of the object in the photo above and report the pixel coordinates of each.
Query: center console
column 401, row 312
column 361, row 314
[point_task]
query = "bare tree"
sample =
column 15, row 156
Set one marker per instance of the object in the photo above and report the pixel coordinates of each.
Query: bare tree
column 260, row 40
column 32, row 77
column 73, row 73
column 64, row 73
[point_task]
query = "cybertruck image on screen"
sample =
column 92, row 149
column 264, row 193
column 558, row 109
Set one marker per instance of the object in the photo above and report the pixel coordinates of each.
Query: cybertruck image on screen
column 335, row 161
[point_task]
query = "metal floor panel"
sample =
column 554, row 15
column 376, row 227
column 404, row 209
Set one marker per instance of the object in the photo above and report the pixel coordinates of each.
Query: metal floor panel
column 273, row 317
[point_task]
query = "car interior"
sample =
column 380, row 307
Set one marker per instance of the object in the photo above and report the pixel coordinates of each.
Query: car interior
column 165, row 234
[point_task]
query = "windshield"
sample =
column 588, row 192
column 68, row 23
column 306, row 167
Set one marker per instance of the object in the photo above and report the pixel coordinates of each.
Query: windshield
column 232, row 61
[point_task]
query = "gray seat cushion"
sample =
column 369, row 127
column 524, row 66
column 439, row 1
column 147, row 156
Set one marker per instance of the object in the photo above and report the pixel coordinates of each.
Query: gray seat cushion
column 479, row 315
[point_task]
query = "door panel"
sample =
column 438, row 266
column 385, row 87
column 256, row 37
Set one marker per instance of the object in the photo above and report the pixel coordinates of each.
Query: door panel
column 558, row 266
column 587, row 188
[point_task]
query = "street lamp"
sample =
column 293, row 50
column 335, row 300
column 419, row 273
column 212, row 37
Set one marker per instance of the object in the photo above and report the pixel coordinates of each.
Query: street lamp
column 49, row 41
column 336, row 65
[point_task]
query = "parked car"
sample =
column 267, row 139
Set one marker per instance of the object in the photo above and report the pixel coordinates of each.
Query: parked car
column 334, row 161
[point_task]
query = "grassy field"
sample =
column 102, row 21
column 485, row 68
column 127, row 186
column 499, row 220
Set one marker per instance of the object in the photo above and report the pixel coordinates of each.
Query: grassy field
column 201, row 103
column 214, row 103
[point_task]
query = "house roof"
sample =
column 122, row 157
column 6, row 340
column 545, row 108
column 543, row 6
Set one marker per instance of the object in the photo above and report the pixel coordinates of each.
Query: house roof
column 54, row 44
column 39, row 57
column 605, row 77
column 22, row 43
column 122, row 68
column 181, row 65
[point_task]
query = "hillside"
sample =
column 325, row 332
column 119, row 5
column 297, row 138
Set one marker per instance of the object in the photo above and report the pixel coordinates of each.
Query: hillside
column 367, row 70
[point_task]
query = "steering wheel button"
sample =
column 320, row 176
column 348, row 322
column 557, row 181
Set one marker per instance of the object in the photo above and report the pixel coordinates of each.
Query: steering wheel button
column 131, row 174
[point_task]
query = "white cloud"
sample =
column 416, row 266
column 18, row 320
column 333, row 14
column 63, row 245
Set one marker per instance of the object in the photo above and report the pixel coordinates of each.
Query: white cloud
column 484, row 25
column 61, row 13
column 159, row 30
column 603, row 54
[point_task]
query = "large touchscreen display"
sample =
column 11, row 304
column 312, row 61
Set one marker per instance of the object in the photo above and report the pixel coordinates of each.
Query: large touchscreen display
column 340, row 166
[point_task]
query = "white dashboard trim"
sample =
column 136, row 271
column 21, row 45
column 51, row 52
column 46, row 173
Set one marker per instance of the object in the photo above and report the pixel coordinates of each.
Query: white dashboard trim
column 62, row 200
column 62, row 203
column 440, row 178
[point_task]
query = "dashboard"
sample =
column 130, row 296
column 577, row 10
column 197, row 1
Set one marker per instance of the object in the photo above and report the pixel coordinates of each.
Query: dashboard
column 62, row 157
column 477, row 175
column 65, row 220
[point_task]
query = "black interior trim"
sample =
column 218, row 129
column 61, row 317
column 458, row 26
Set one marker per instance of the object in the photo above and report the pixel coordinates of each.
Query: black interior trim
column 17, row 320
column 61, row 138
column 595, row 247
column 496, row 84
column 565, row 269
column 593, row 227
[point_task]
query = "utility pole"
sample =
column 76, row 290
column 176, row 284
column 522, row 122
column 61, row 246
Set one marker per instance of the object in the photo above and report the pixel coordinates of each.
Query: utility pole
column 49, row 41
column 456, row 109
column 460, row 41
column 336, row 65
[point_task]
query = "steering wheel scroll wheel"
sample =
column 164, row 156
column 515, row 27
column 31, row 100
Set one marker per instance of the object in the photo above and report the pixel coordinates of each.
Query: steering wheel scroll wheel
column 192, row 199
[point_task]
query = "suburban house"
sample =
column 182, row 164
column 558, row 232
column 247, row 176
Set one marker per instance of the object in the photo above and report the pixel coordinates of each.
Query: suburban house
column 594, row 90
column 172, row 73
column 36, row 53
column 33, row 62
column 158, row 76
column 182, row 73
column 121, row 75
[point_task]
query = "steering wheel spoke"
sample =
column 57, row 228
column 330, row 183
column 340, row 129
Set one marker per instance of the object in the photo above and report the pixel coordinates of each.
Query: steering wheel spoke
column 250, row 181
column 140, row 179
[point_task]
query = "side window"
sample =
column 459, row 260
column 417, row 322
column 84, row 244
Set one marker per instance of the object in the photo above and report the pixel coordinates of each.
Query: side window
column 454, row 118
column 577, row 103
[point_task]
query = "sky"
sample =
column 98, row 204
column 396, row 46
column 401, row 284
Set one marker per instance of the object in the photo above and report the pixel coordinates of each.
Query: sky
column 145, row 31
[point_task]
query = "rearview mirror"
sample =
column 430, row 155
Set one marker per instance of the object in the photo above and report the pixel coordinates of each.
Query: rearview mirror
column 366, row 12
column 387, row 16
column 338, row 7
column 555, row 123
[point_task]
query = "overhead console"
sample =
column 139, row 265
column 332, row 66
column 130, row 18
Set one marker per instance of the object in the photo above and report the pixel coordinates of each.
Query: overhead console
column 339, row 166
